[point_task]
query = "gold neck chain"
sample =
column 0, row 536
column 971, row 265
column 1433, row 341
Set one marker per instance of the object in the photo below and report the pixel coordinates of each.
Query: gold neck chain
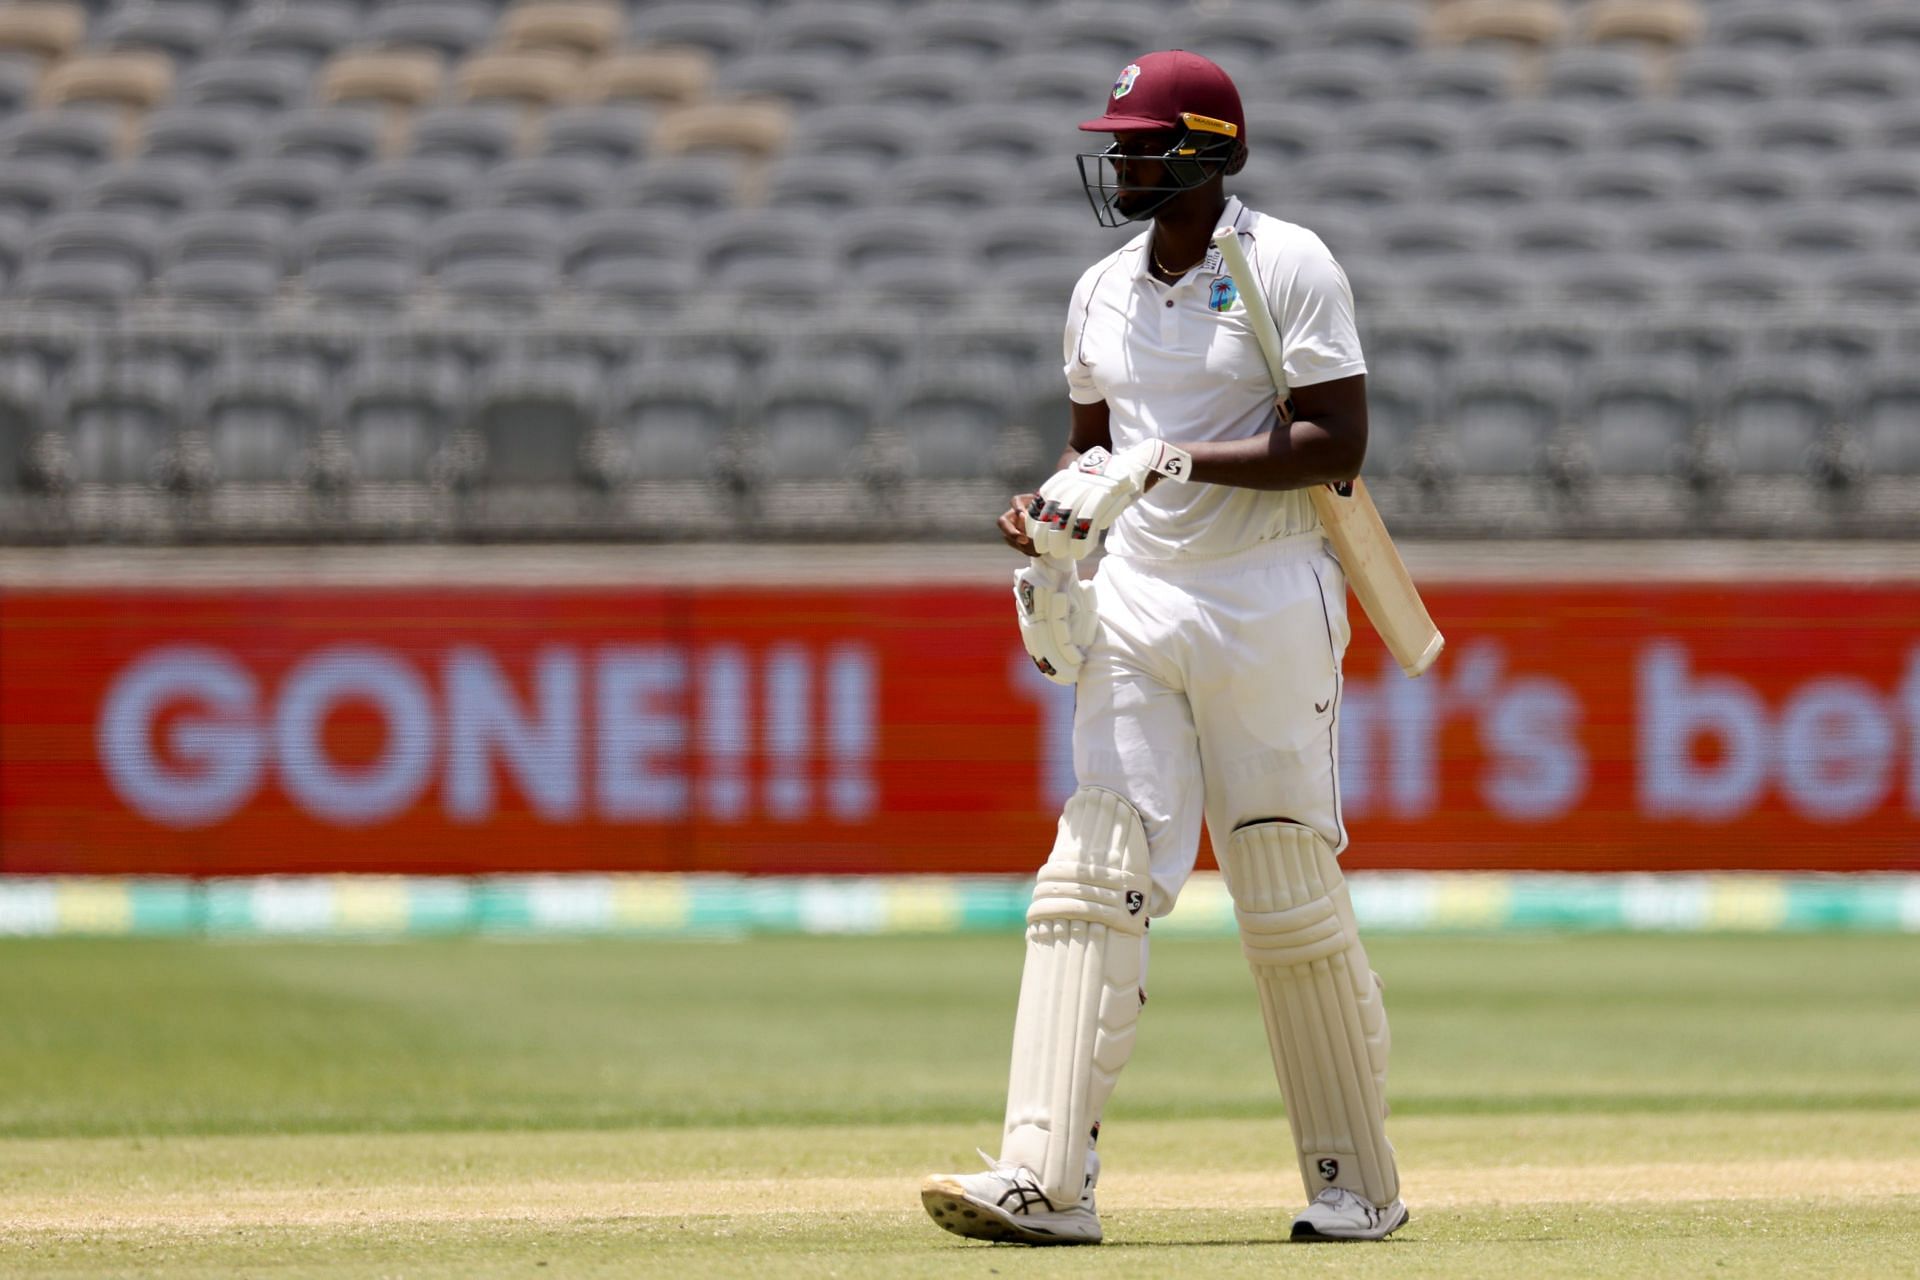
column 1154, row 253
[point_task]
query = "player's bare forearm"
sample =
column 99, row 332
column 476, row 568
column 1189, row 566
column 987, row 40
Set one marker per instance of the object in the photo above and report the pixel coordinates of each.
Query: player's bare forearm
column 1325, row 442
column 1297, row 456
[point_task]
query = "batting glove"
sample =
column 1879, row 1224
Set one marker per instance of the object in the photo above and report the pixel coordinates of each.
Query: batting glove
column 1058, row 617
column 1075, row 507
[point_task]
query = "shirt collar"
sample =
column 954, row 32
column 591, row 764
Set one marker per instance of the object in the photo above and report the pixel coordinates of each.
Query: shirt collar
column 1230, row 216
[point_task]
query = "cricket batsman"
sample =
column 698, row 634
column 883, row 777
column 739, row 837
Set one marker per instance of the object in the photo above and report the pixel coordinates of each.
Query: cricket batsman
column 1206, row 657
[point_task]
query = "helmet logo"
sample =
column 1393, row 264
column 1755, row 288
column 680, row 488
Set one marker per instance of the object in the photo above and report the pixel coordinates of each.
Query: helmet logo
column 1124, row 85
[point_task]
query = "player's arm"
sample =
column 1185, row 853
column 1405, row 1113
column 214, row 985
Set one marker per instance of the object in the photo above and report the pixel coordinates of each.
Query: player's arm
column 1325, row 441
column 1090, row 429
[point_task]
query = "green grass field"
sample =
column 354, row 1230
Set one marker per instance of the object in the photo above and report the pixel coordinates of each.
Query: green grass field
column 1595, row 1106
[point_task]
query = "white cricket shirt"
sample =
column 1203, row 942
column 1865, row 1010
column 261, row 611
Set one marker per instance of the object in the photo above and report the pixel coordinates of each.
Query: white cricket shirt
column 1174, row 362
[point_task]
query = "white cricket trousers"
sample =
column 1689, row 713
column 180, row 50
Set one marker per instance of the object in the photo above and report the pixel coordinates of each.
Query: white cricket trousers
column 1213, row 691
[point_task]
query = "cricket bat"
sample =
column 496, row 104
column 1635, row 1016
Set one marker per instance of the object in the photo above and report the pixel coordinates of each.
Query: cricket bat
column 1373, row 566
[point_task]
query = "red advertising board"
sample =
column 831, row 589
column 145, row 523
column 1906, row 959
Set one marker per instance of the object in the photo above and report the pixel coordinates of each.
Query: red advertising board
column 1578, row 728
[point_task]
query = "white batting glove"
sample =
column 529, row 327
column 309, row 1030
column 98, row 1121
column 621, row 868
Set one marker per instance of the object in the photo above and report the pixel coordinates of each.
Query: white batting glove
column 1075, row 507
column 1057, row 618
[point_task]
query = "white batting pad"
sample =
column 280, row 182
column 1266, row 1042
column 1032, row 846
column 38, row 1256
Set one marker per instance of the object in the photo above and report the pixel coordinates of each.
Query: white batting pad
column 1080, row 993
column 1326, row 1024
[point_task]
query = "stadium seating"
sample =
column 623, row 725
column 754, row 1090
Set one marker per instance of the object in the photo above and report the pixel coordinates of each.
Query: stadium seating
column 1592, row 242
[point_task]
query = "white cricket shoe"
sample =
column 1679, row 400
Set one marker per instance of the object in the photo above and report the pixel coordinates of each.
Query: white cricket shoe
column 1005, row 1203
column 1338, row 1214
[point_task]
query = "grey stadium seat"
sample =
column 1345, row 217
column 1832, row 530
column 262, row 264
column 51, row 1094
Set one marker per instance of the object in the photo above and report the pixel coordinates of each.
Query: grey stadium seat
column 1869, row 78
column 982, row 34
column 32, row 189
column 1708, row 342
column 1595, row 76
column 1752, row 180
column 342, row 137
column 1535, row 129
column 311, row 30
column 1492, row 183
column 1406, row 233
column 837, row 184
column 624, row 256
column 1891, row 27
column 367, row 257
column 1559, row 230
column 1691, row 231
column 19, row 79
column 1737, row 77
column 697, row 186
column 423, row 190
column 1776, row 26
column 1811, row 130
column 1743, row 281
column 1897, row 127
column 75, row 138
column 156, row 190
column 262, row 415
column 181, row 29
column 1884, row 280
column 1845, row 340
column 559, row 186
column 1393, row 29
column 1483, row 282
column 450, row 28
column 917, row 82
column 1641, row 419
column 813, row 419
column 848, row 129
column 1612, row 285
column 673, row 413
column 951, row 414
column 1337, row 80
column 1400, row 410
column 288, row 187
column 1240, row 37
column 1111, row 34
column 1417, row 132
column 802, row 80
column 1501, row 417
column 1463, row 77
column 536, row 417
column 1884, row 180
column 121, row 417
column 860, row 242
column 1773, row 418
column 845, row 31
column 1003, row 130
column 1338, row 181
column 1683, row 130
column 723, row 30
column 1063, row 80
column 207, row 138
column 506, row 256
column 1623, row 181
column 24, row 395
column 1883, row 413
column 1826, row 230
column 14, row 234
column 478, row 137
column 229, row 257
column 89, row 257
column 613, row 137
column 394, row 414
column 750, row 247
column 258, row 84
